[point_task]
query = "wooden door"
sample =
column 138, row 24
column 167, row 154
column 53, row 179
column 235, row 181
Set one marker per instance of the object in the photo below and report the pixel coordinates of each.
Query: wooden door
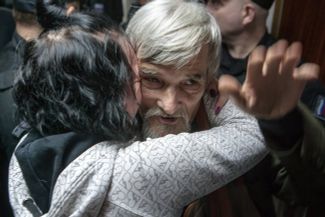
column 304, row 20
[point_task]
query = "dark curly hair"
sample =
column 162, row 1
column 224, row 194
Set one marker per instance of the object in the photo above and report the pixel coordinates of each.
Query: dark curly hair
column 74, row 77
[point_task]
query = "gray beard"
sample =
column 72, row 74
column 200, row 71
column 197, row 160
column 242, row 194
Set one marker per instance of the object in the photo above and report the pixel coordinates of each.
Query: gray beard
column 162, row 130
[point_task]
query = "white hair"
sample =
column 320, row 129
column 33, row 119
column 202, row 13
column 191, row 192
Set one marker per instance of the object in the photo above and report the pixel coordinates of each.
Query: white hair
column 172, row 33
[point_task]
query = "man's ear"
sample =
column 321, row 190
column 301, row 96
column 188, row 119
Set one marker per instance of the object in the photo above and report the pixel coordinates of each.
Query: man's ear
column 249, row 13
column 212, row 85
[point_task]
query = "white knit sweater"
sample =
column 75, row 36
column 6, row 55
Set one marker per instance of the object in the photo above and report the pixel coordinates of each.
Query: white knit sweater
column 157, row 177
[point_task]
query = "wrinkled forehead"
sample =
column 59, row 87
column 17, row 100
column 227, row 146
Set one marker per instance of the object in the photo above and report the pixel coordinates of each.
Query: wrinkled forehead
column 197, row 65
column 221, row 2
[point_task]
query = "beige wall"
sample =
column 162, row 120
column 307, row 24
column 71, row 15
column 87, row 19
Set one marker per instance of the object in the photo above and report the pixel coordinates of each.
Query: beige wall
column 126, row 6
column 269, row 21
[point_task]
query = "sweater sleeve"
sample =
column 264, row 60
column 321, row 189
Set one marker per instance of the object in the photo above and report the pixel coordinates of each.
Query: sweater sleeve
column 283, row 133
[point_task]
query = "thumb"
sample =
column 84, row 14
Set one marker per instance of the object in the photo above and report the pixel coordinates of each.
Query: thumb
column 306, row 72
column 228, row 85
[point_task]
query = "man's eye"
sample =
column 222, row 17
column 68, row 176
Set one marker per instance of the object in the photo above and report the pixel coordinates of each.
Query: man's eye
column 191, row 85
column 215, row 5
column 152, row 83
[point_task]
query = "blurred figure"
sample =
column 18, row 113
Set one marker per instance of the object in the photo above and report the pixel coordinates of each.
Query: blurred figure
column 27, row 28
column 243, row 27
column 7, row 24
column 111, row 8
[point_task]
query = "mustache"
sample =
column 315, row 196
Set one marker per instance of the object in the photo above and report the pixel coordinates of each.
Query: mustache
column 156, row 111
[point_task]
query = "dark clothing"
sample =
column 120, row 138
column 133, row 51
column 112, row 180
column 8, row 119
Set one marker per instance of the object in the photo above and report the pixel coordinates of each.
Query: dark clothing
column 283, row 173
column 10, row 59
column 114, row 10
column 237, row 67
column 58, row 151
column 7, row 28
column 301, row 182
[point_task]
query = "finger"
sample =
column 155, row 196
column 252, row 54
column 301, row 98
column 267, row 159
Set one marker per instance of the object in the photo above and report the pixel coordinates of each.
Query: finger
column 228, row 85
column 292, row 58
column 255, row 64
column 307, row 71
column 251, row 100
column 274, row 57
column 294, row 53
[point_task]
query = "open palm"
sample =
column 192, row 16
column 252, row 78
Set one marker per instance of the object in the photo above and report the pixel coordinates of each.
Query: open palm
column 273, row 83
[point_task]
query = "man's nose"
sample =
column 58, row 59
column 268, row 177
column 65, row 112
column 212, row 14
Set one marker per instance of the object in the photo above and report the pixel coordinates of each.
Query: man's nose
column 168, row 102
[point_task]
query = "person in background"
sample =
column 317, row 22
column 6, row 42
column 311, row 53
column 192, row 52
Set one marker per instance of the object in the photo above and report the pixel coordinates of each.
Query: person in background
column 243, row 27
column 27, row 28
